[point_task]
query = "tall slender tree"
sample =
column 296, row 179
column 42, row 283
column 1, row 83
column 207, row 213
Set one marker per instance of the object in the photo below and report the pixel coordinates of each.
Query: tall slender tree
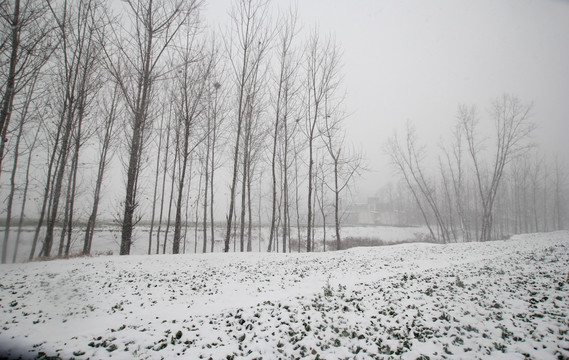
column 193, row 84
column 345, row 164
column 287, row 32
column 26, row 47
column 322, row 71
column 76, row 23
column 140, row 47
column 104, row 133
column 246, row 47
column 19, row 138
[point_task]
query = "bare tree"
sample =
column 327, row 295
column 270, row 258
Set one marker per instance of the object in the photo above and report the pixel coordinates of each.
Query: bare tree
column 82, row 132
column 296, row 196
column 253, row 140
column 559, row 184
column 321, row 195
column 52, row 141
column 535, row 177
column 215, row 120
column 213, row 135
column 197, row 213
column 455, row 163
column 164, row 173
column 140, row 48
column 175, row 166
column 291, row 115
column 206, row 170
column 322, row 71
column 513, row 129
column 286, row 72
column 105, row 135
column 79, row 50
column 246, row 48
column 19, row 138
column 31, row 149
column 26, row 44
column 25, row 49
column 214, row 107
column 156, row 176
column 346, row 165
column 193, row 81
column 407, row 158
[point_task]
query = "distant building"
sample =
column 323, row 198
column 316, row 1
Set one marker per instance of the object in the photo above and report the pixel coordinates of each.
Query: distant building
column 373, row 212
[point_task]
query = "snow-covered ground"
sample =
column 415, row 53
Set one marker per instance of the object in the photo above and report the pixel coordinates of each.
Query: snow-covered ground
column 501, row 299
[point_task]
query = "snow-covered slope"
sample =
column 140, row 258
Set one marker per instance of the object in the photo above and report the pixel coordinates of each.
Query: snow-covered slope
column 502, row 299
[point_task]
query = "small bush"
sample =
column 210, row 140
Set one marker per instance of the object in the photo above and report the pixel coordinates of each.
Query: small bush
column 328, row 289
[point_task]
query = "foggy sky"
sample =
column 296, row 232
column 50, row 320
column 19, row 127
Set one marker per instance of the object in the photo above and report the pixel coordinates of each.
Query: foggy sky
column 417, row 61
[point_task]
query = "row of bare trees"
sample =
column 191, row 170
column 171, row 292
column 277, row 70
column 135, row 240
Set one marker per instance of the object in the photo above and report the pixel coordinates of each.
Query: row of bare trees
column 298, row 86
column 490, row 181
column 149, row 91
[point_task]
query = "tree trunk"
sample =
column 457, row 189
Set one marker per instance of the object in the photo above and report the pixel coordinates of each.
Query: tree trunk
column 249, row 210
column 336, row 207
column 286, row 207
column 233, row 182
column 47, row 192
column 172, row 182
column 11, row 196
column 259, row 219
column 187, row 214
column 243, row 202
column 296, row 198
column 273, row 163
column 166, row 152
column 65, row 222
column 155, row 192
column 212, row 161
column 310, row 175
column 25, row 195
column 13, row 176
column 10, row 89
column 197, row 217
column 58, row 183
column 211, row 202
column 91, row 223
column 71, row 208
column 74, row 168
column 205, row 201
column 135, row 151
column 486, row 229
column 181, row 181
column 246, row 159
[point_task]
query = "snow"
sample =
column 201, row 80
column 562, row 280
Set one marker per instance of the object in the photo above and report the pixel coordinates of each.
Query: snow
column 501, row 299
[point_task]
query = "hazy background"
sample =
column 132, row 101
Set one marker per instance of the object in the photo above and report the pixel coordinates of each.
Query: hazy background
column 416, row 60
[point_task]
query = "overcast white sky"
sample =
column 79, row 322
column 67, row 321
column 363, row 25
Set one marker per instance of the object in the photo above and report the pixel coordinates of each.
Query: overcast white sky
column 417, row 60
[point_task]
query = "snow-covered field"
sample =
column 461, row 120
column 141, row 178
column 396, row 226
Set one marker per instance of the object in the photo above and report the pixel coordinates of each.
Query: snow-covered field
column 502, row 299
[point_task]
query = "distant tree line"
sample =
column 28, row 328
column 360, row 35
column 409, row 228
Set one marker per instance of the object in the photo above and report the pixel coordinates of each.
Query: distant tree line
column 484, row 184
column 90, row 85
